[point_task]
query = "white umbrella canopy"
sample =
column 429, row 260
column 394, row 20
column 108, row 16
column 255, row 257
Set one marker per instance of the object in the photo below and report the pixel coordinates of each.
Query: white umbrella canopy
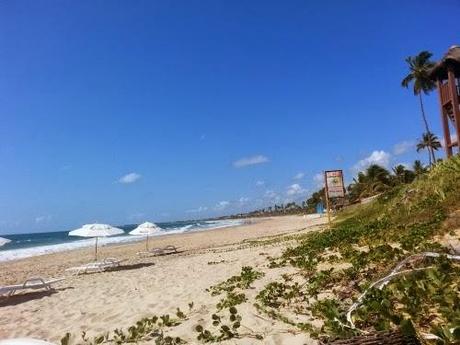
column 146, row 229
column 96, row 230
column 4, row 241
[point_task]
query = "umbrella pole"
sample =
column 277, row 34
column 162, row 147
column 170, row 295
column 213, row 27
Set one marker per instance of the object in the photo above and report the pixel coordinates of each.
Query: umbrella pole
column 147, row 244
column 95, row 250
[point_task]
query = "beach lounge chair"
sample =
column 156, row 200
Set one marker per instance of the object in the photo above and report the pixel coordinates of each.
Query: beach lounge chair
column 170, row 249
column 31, row 283
column 93, row 267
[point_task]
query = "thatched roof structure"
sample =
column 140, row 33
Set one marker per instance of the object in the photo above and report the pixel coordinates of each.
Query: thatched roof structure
column 451, row 59
column 379, row 338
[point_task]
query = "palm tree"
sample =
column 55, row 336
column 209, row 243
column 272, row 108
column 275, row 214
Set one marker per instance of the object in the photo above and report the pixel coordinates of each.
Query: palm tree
column 374, row 180
column 419, row 168
column 430, row 142
column 377, row 173
column 419, row 66
column 402, row 174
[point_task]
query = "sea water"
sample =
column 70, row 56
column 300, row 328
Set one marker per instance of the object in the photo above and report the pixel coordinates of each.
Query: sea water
column 26, row 245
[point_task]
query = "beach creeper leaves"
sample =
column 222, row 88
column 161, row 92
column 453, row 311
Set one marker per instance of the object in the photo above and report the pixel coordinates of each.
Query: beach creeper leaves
column 231, row 300
column 143, row 330
column 243, row 281
column 224, row 331
column 232, row 285
column 65, row 340
column 180, row 314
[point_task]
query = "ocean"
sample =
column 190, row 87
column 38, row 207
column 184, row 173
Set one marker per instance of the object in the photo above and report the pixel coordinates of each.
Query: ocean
column 27, row 245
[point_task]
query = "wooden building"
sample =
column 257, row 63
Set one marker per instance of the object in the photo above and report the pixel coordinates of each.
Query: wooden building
column 446, row 73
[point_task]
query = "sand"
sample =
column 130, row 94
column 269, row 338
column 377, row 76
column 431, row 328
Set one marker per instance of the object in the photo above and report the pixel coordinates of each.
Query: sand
column 100, row 302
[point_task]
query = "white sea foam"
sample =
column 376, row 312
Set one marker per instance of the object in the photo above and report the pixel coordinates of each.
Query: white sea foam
column 14, row 254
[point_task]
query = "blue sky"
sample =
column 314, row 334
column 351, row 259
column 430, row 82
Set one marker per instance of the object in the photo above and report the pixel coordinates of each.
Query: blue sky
column 125, row 111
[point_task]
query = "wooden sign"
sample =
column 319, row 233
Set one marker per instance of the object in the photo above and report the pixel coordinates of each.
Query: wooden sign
column 334, row 184
column 333, row 188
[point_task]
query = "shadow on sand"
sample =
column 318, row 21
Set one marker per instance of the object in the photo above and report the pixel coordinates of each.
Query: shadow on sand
column 28, row 296
column 131, row 267
column 152, row 255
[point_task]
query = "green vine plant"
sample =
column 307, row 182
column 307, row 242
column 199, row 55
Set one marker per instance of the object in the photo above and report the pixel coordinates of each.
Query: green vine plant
column 146, row 329
column 234, row 286
column 223, row 329
column 242, row 281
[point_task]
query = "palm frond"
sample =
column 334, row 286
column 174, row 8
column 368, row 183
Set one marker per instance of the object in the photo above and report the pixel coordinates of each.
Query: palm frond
column 407, row 80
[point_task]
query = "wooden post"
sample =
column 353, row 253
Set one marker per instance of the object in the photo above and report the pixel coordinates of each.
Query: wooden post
column 454, row 100
column 445, row 122
column 327, row 199
column 95, row 250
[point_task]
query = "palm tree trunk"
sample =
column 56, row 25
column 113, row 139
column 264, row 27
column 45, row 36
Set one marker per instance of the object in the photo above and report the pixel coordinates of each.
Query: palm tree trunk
column 427, row 129
column 429, row 156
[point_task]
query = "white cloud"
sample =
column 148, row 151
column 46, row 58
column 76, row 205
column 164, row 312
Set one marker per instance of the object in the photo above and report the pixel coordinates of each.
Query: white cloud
column 318, row 179
column 299, row 176
column 243, row 200
column 403, row 147
column 130, row 178
column 271, row 197
column 295, row 189
column 381, row 158
column 260, row 183
column 246, row 161
column 270, row 194
column 43, row 219
column 221, row 205
column 198, row 210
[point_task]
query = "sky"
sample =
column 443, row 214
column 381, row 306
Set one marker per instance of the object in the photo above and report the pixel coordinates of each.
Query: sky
column 126, row 111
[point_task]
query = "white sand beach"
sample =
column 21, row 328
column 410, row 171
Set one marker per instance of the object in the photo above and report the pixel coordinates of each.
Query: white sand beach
column 101, row 302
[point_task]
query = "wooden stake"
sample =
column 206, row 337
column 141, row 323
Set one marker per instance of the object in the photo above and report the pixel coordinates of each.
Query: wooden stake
column 95, row 250
column 327, row 200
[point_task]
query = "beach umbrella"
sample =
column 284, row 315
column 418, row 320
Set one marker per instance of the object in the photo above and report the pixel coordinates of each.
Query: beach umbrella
column 146, row 229
column 96, row 230
column 4, row 241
